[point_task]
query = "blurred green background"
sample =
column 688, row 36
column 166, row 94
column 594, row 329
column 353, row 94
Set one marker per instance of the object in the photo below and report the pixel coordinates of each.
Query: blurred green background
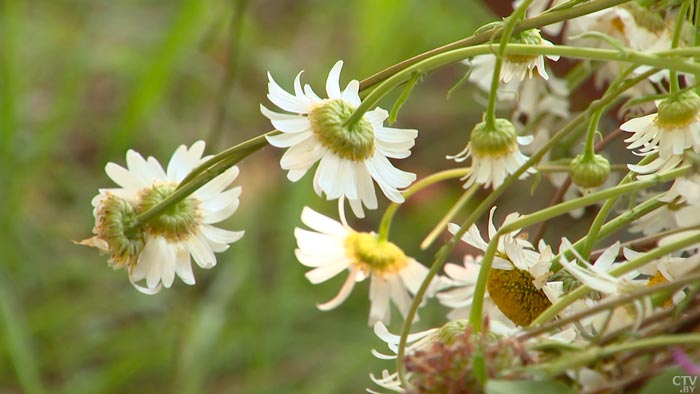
column 81, row 81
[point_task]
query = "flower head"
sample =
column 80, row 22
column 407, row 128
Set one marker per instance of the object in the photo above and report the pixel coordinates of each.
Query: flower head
column 522, row 66
column 333, row 248
column 495, row 153
column 160, row 248
column 518, row 272
column 350, row 156
column 670, row 131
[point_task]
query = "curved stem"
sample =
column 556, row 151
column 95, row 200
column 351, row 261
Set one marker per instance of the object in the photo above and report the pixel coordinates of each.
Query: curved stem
column 385, row 224
column 589, row 149
column 592, row 235
column 442, row 59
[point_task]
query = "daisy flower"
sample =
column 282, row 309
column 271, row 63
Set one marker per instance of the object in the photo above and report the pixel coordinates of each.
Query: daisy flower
column 495, row 154
column 349, row 156
column 670, row 131
column 164, row 246
column 334, row 247
column 517, row 274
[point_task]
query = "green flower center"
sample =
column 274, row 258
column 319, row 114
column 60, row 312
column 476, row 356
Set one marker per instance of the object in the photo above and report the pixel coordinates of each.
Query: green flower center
column 176, row 223
column 373, row 255
column 497, row 142
column 114, row 216
column 516, row 296
column 527, row 37
column 678, row 112
column 354, row 142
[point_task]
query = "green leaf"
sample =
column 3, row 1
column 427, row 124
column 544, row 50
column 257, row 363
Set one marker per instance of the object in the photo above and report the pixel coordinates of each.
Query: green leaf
column 403, row 97
column 527, row 386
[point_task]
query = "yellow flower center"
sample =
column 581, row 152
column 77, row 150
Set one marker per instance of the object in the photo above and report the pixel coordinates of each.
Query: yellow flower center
column 354, row 142
column 516, row 296
column 498, row 142
column 657, row 279
column 375, row 256
column 178, row 222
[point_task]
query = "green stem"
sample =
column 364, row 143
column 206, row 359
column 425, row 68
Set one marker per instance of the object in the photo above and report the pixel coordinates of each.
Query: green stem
column 385, row 224
column 592, row 354
column 508, row 27
column 202, row 175
column 445, row 58
column 486, row 36
column 589, row 150
column 602, row 215
column 640, row 261
column 442, row 224
column 567, row 206
column 673, row 75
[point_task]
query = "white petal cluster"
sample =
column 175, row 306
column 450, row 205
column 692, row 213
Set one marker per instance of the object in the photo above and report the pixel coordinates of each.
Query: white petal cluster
column 328, row 251
column 337, row 175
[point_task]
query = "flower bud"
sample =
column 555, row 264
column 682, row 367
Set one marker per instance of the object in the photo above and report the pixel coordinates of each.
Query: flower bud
column 589, row 172
column 497, row 142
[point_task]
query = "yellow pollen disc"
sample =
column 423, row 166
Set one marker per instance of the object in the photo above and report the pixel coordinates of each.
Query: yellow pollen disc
column 372, row 255
column 657, row 279
column 516, row 296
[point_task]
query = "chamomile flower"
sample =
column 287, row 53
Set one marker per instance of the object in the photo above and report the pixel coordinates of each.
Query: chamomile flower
column 334, row 247
column 670, row 131
column 518, row 272
column 163, row 247
column 349, row 156
column 495, row 153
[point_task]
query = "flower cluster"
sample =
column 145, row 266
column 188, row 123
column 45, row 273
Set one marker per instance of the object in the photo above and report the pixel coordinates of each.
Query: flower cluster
column 589, row 316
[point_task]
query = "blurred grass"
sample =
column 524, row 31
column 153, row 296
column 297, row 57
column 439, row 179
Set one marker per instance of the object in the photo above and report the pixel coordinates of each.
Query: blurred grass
column 82, row 81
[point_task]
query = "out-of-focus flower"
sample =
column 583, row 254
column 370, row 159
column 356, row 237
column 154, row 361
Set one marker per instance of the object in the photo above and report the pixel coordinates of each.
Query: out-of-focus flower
column 334, row 247
column 349, row 156
column 159, row 249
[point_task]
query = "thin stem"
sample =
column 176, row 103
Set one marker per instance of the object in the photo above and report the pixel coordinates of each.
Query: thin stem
column 442, row 59
column 385, row 224
column 589, row 150
column 442, row 224
column 673, row 75
column 508, row 26
column 602, row 215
